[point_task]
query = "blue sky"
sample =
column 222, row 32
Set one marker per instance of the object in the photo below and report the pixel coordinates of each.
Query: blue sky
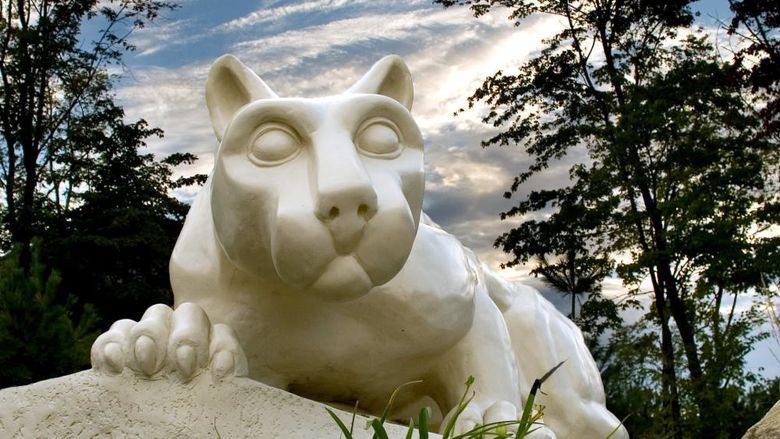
column 321, row 47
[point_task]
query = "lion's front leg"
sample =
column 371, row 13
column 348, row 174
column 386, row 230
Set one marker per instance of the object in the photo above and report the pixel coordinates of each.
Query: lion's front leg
column 486, row 354
column 181, row 341
column 574, row 400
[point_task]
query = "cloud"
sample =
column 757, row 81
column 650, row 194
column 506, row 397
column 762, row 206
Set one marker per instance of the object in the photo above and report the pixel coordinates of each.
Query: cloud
column 152, row 39
column 341, row 40
column 281, row 13
column 173, row 99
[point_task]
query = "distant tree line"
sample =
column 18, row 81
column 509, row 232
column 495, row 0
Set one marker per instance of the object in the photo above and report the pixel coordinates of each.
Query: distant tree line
column 87, row 222
column 677, row 196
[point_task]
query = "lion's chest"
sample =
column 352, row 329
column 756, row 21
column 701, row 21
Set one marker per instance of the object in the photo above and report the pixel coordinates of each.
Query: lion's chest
column 403, row 325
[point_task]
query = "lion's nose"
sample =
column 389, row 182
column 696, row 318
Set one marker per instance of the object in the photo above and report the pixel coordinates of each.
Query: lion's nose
column 346, row 213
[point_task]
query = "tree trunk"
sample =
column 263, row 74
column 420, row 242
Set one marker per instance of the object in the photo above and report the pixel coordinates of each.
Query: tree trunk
column 24, row 235
column 573, row 297
column 682, row 319
column 671, row 398
column 25, row 214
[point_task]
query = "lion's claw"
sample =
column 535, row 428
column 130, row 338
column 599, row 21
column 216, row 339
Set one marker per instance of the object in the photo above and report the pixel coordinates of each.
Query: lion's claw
column 182, row 341
column 227, row 357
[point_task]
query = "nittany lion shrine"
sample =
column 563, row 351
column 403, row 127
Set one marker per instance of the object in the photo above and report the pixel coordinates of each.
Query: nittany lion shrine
column 307, row 273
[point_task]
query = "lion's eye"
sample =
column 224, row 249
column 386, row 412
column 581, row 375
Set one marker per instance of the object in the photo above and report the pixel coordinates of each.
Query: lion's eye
column 379, row 138
column 274, row 144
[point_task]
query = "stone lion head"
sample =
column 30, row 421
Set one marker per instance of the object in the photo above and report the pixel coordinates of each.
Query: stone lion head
column 323, row 193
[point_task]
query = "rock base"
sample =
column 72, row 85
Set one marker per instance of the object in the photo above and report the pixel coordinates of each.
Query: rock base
column 92, row 405
column 768, row 427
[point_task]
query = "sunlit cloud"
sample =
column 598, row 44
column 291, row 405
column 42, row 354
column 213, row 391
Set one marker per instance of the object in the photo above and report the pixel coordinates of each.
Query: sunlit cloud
column 277, row 13
column 149, row 40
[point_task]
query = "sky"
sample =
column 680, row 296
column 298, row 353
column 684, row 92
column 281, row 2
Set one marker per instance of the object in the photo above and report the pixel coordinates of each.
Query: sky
column 321, row 47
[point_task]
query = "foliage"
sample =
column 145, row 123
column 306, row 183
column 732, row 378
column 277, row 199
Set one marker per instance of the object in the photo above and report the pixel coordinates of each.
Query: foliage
column 42, row 334
column 529, row 420
column 679, row 188
column 754, row 404
column 568, row 247
column 113, row 247
column 756, row 23
column 71, row 168
column 55, row 98
column 598, row 316
column 631, row 376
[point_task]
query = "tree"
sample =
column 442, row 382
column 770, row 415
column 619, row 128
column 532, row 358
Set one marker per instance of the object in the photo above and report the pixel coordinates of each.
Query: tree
column 40, row 336
column 77, row 190
column 631, row 377
column 678, row 167
column 52, row 86
column 756, row 23
column 568, row 246
column 755, row 404
column 113, row 247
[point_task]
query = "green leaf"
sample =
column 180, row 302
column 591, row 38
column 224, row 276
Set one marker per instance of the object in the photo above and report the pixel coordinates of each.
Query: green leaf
column 422, row 422
column 354, row 413
column 379, row 429
column 615, row 430
column 462, row 404
column 347, row 433
column 496, row 429
column 410, row 431
column 389, row 405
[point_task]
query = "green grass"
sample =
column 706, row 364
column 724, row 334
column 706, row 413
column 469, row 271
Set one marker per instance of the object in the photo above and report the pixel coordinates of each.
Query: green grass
column 529, row 420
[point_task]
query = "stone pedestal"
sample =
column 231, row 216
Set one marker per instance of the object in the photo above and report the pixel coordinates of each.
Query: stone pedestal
column 92, row 405
column 768, row 427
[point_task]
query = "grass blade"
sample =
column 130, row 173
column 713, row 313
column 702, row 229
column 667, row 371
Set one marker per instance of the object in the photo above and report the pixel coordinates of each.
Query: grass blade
column 347, row 433
column 451, row 424
column 525, row 420
column 389, row 404
column 460, row 407
column 491, row 429
column 618, row 426
column 379, row 429
column 410, row 431
column 550, row 372
column 422, row 423
column 354, row 412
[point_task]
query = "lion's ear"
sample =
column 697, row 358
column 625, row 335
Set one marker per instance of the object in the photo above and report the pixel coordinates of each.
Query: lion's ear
column 389, row 77
column 230, row 86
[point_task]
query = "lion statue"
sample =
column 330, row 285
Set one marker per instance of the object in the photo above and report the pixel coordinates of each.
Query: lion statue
column 306, row 263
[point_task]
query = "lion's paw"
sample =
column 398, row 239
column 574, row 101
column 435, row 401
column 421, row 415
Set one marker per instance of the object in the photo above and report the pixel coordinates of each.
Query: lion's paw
column 540, row 432
column 182, row 341
column 473, row 415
